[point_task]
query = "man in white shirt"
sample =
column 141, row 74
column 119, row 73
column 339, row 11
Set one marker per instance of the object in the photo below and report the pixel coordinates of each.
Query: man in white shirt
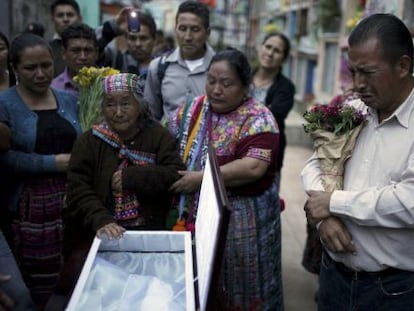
column 175, row 78
column 367, row 228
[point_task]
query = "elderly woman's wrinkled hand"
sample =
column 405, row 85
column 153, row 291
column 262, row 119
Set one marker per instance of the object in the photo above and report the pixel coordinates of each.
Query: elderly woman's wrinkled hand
column 189, row 182
column 117, row 181
column 112, row 230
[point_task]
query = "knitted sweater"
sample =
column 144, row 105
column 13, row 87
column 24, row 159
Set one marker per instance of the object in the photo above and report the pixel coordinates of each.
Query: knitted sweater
column 93, row 162
column 21, row 161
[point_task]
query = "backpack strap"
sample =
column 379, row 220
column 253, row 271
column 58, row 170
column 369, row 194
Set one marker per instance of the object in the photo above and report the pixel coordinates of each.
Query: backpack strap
column 119, row 61
column 161, row 69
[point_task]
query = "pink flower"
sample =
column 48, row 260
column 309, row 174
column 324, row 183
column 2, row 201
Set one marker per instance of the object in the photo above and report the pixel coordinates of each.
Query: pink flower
column 339, row 116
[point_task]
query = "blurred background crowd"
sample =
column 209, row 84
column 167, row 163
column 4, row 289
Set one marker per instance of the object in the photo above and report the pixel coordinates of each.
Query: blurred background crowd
column 317, row 30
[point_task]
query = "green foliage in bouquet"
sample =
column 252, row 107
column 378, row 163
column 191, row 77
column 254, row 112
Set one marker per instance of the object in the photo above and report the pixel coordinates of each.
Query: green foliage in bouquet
column 337, row 117
column 334, row 129
column 89, row 81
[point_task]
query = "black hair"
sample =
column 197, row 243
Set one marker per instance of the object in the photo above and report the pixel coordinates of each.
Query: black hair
column 23, row 41
column 392, row 34
column 160, row 33
column 12, row 78
column 72, row 3
column 35, row 28
column 196, row 8
column 238, row 61
column 148, row 20
column 78, row 31
column 285, row 40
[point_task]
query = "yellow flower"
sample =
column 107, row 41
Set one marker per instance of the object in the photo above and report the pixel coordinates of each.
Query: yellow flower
column 269, row 28
column 350, row 23
column 89, row 80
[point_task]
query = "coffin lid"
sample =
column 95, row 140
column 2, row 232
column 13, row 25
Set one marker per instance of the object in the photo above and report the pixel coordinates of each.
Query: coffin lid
column 210, row 233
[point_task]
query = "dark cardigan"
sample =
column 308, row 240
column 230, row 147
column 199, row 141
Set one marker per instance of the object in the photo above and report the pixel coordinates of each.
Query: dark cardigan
column 92, row 165
column 280, row 100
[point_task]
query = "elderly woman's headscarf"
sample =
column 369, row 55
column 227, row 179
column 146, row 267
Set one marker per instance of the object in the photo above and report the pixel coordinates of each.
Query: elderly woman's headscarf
column 128, row 82
column 122, row 82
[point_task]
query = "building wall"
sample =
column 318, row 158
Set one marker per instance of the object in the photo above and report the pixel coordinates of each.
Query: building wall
column 318, row 33
column 23, row 12
column 5, row 22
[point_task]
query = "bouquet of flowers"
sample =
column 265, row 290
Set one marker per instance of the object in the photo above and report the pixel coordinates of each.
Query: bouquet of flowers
column 334, row 129
column 89, row 81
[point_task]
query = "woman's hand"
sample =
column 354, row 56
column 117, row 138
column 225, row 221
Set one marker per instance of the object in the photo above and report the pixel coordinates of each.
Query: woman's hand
column 189, row 182
column 243, row 171
column 117, row 181
column 6, row 303
column 121, row 19
column 62, row 162
column 112, row 230
column 4, row 137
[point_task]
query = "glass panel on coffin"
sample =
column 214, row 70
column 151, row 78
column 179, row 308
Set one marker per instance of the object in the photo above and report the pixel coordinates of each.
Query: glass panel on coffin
column 154, row 270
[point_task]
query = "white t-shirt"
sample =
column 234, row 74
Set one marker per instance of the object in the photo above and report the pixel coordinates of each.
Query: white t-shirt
column 193, row 64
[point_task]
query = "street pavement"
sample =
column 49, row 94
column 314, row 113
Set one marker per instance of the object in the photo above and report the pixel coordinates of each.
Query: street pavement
column 299, row 285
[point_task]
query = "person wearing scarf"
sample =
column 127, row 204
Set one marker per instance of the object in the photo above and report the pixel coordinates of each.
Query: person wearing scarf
column 121, row 169
column 245, row 137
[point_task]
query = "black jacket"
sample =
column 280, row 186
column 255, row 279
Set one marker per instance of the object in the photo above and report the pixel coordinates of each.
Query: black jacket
column 280, row 100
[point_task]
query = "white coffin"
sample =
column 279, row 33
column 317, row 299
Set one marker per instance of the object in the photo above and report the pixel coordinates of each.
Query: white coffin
column 155, row 270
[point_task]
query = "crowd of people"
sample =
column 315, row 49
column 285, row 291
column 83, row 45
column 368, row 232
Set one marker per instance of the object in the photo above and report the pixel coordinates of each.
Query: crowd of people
column 142, row 166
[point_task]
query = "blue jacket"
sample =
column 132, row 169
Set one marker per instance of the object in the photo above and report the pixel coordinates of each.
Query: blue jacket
column 21, row 160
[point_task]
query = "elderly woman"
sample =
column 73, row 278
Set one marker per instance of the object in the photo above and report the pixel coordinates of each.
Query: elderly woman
column 245, row 136
column 121, row 169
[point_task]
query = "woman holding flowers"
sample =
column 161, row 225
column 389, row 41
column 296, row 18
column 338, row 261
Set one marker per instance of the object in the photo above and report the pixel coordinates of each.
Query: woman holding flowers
column 44, row 126
column 245, row 137
column 121, row 168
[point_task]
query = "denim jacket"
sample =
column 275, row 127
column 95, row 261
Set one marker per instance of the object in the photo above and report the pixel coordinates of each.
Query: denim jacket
column 21, row 159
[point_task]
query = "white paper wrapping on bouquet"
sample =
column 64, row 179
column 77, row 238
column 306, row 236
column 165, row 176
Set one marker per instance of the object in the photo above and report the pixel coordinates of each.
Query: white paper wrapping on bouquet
column 332, row 152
